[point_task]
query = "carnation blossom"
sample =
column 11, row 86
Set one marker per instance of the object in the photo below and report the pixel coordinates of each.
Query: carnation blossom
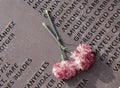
column 64, row 70
column 81, row 51
column 83, row 57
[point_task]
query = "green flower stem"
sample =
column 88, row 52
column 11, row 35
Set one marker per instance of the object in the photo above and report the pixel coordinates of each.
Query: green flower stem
column 69, row 52
column 62, row 48
column 57, row 35
column 49, row 17
column 46, row 27
column 62, row 57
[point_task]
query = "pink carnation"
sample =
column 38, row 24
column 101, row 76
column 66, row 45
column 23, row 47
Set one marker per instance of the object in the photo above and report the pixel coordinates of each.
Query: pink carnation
column 81, row 51
column 83, row 57
column 64, row 70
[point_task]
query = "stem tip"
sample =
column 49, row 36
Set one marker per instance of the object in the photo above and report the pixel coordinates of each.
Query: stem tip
column 46, row 11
